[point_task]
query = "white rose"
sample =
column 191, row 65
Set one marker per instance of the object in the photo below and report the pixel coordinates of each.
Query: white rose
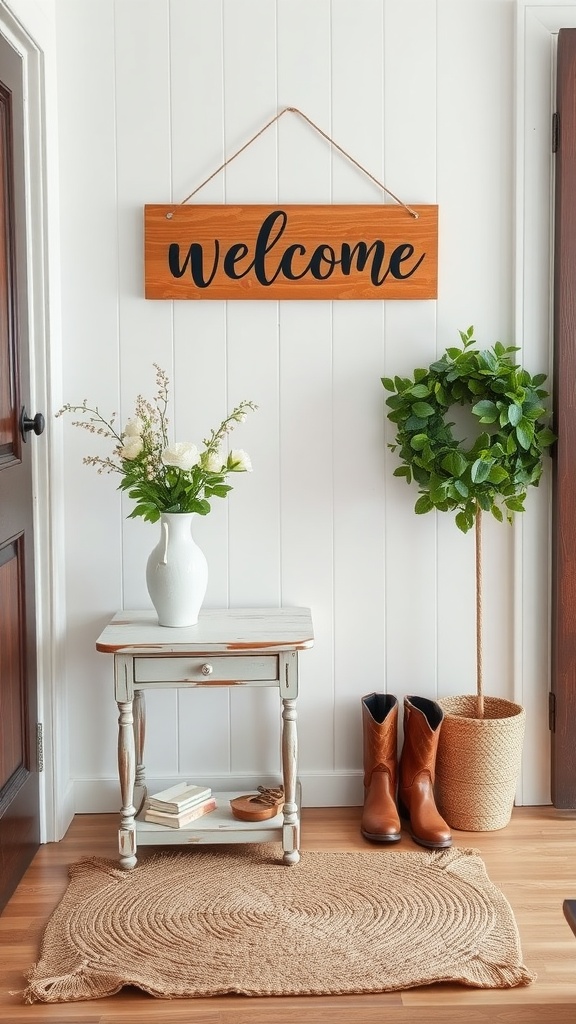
column 213, row 462
column 239, row 461
column 131, row 448
column 181, row 454
column 134, row 427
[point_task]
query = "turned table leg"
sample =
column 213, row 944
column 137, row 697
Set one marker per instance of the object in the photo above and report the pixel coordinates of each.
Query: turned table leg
column 289, row 693
column 126, row 774
column 291, row 826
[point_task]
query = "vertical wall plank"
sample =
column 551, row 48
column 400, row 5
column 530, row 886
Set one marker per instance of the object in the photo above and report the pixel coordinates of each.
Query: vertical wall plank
column 143, row 170
column 358, row 414
column 475, row 289
column 304, row 82
column 250, row 101
column 306, row 443
column 91, row 357
column 410, row 171
column 197, row 149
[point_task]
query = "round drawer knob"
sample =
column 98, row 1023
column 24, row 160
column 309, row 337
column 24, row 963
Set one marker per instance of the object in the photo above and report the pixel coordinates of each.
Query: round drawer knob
column 206, row 670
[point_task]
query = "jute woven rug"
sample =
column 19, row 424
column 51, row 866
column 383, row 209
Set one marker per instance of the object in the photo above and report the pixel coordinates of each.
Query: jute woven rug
column 210, row 922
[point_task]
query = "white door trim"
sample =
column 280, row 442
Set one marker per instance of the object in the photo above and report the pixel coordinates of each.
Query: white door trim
column 38, row 55
column 537, row 28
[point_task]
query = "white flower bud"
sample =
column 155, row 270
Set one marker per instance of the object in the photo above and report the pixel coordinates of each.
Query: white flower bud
column 239, row 461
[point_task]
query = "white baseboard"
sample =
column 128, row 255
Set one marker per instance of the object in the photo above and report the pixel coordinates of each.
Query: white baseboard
column 333, row 789
column 65, row 813
column 57, row 816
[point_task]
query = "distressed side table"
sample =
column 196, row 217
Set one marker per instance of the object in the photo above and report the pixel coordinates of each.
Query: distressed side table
column 248, row 647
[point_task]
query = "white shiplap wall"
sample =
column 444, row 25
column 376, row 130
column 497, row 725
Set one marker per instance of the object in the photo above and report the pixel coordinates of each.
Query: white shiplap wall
column 153, row 95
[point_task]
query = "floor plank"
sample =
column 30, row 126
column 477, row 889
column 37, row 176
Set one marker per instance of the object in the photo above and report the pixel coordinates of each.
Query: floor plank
column 533, row 861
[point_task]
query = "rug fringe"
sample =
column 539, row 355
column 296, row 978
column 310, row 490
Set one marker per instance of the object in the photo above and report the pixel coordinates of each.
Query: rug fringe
column 83, row 983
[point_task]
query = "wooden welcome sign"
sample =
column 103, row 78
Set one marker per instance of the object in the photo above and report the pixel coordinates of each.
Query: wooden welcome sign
column 291, row 252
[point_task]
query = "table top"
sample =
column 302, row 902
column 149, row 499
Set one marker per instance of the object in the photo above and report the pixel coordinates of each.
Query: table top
column 218, row 629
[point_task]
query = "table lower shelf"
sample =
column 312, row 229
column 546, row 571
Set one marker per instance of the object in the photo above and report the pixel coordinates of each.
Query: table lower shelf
column 218, row 826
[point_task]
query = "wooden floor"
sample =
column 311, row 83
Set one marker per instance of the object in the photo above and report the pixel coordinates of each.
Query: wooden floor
column 533, row 861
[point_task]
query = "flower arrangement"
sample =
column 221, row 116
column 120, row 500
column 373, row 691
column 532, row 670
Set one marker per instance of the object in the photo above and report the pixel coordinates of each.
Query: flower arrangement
column 162, row 475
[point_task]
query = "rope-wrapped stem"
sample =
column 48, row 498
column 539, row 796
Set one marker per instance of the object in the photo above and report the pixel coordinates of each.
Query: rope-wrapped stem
column 479, row 680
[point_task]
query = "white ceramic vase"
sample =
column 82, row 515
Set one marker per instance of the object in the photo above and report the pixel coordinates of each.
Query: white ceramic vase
column 177, row 572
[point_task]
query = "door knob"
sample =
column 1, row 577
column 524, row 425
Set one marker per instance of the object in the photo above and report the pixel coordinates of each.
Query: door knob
column 26, row 423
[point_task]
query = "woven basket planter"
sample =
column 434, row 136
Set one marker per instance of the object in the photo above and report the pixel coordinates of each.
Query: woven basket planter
column 478, row 762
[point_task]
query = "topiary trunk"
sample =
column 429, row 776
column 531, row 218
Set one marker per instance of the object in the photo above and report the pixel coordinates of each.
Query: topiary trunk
column 479, row 682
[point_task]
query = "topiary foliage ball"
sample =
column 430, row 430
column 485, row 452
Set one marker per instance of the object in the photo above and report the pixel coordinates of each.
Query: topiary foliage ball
column 493, row 473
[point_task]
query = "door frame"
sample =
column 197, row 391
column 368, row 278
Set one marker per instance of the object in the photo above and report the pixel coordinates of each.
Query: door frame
column 563, row 547
column 537, row 27
column 35, row 45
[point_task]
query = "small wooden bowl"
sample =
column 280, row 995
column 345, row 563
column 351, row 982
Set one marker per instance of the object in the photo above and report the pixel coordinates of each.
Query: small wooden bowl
column 250, row 808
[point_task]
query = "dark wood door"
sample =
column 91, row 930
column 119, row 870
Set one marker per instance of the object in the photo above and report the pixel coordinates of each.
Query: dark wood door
column 563, row 697
column 19, row 780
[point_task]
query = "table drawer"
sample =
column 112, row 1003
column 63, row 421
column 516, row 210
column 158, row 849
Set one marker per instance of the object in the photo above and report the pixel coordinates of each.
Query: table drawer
column 208, row 671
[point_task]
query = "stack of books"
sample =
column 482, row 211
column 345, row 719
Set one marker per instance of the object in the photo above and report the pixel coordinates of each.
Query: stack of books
column 179, row 805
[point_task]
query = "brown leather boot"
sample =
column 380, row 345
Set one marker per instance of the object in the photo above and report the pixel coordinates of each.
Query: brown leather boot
column 422, row 721
column 380, row 820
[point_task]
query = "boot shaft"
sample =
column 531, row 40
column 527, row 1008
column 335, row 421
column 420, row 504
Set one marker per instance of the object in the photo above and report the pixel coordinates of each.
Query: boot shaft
column 380, row 735
column 422, row 721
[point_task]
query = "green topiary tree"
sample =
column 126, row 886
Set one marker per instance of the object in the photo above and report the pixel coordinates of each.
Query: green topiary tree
column 491, row 474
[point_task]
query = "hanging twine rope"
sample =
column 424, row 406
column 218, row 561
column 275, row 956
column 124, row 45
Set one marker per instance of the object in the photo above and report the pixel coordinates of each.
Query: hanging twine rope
column 294, row 110
column 479, row 682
